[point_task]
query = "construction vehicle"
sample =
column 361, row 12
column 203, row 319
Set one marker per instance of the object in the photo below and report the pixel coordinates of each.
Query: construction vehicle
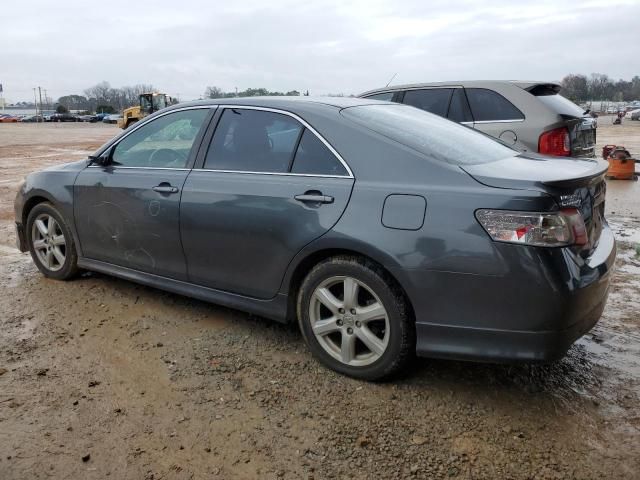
column 149, row 103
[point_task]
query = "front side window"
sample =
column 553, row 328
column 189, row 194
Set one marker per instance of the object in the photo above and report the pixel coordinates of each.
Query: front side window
column 253, row 141
column 165, row 142
column 313, row 157
column 489, row 106
column 433, row 100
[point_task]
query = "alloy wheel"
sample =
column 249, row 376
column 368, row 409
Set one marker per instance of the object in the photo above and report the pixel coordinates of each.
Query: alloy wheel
column 48, row 242
column 349, row 321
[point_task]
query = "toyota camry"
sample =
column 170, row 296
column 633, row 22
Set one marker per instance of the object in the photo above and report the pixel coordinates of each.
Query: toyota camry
column 384, row 231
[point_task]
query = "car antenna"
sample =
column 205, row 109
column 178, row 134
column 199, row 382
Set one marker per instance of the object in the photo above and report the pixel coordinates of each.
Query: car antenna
column 394, row 76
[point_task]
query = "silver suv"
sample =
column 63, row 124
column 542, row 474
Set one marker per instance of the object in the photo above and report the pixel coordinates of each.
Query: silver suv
column 529, row 116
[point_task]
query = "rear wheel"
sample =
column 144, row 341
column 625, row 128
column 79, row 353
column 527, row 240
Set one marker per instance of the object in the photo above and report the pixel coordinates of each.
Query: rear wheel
column 50, row 242
column 354, row 319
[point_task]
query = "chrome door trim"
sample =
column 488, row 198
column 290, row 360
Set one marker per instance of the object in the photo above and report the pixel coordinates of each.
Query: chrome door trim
column 500, row 121
column 284, row 174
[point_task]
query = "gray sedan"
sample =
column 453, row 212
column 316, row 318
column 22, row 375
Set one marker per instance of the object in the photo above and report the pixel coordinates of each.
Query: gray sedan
column 382, row 230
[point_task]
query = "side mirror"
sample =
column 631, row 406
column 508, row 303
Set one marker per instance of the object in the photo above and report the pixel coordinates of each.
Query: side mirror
column 102, row 160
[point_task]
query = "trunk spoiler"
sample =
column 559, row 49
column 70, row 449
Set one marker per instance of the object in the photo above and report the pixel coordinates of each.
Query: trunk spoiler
column 589, row 177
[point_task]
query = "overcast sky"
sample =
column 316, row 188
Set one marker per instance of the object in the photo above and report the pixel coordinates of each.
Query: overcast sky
column 341, row 46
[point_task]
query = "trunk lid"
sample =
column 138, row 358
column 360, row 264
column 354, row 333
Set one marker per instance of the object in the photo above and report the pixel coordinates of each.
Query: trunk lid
column 573, row 183
column 581, row 126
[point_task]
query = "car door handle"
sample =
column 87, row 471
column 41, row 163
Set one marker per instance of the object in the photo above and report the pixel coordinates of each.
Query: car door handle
column 314, row 198
column 165, row 188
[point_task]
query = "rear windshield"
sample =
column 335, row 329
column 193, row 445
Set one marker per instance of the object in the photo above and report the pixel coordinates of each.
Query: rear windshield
column 561, row 105
column 431, row 135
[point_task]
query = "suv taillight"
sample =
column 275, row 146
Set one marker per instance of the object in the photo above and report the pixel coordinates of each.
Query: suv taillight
column 555, row 142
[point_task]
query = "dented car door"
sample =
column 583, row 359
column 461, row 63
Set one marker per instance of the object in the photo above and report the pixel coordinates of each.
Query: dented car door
column 127, row 208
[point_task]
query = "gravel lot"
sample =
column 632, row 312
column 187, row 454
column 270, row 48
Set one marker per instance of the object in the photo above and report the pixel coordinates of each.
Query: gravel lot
column 104, row 378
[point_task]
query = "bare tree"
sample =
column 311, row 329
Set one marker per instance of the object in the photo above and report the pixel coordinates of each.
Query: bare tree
column 214, row 92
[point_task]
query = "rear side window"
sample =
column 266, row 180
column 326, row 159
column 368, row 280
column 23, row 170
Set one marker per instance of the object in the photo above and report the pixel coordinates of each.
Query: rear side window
column 253, row 141
column 313, row 157
column 387, row 96
column 434, row 137
column 434, row 100
column 459, row 108
column 489, row 106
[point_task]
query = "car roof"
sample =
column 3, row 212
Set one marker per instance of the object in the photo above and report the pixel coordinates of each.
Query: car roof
column 524, row 84
column 283, row 102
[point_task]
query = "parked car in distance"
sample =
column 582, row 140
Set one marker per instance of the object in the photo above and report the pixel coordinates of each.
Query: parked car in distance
column 65, row 117
column 529, row 116
column 88, row 118
column 381, row 229
column 635, row 114
column 100, row 116
column 112, row 118
column 5, row 118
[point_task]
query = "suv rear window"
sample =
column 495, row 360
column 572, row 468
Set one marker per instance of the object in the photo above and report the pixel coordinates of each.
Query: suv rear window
column 561, row 105
column 435, row 137
column 434, row 100
column 489, row 106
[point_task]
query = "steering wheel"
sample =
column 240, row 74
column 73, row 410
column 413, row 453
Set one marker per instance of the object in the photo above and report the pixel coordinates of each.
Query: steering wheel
column 165, row 157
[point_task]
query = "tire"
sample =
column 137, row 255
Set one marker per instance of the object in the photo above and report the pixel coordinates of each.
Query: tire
column 46, row 247
column 340, row 335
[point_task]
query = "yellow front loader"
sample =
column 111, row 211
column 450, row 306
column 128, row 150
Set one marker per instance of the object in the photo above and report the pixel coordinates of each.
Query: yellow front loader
column 149, row 103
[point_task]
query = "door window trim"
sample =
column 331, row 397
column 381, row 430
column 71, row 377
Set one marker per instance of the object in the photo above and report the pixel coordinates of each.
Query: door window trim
column 197, row 140
column 290, row 174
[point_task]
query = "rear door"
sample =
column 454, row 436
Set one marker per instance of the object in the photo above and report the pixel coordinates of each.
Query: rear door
column 266, row 186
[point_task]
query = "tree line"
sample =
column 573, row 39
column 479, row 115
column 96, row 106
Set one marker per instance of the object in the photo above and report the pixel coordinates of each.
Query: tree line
column 598, row 86
column 104, row 98
column 216, row 92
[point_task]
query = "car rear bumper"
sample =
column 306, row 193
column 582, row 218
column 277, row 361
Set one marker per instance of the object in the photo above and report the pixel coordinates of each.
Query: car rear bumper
column 511, row 318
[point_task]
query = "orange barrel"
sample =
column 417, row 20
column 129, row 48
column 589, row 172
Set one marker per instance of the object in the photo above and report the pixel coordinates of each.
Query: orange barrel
column 621, row 165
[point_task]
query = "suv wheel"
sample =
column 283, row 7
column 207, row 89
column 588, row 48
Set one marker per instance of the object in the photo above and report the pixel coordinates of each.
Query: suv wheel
column 354, row 320
column 51, row 243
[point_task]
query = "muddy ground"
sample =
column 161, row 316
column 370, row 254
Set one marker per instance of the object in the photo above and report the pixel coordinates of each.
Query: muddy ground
column 102, row 378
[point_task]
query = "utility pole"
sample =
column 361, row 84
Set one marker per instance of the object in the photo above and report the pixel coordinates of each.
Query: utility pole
column 40, row 94
column 35, row 103
column 46, row 99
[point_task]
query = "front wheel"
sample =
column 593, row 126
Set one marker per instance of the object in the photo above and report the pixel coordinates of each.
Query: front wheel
column 354, row 319
column 51, row 243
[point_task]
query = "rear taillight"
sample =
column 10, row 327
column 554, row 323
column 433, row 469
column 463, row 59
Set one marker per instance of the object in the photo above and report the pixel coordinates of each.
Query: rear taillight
column 557, row 229
column 555, row 142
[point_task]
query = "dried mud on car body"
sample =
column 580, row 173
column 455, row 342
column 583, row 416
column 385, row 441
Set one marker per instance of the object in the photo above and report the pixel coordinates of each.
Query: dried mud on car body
column 146, row 384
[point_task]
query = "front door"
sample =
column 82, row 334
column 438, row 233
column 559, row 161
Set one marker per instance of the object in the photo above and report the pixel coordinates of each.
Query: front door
column 269, row 186
column 127, row 212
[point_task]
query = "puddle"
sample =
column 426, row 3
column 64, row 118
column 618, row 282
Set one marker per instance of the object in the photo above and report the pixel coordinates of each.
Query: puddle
column 625, row 229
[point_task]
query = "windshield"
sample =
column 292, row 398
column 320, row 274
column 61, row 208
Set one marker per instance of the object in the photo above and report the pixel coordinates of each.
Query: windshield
column 561, row 105
column 431, row 135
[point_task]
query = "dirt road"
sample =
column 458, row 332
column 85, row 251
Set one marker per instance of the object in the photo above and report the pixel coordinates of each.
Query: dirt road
column 102, row 378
